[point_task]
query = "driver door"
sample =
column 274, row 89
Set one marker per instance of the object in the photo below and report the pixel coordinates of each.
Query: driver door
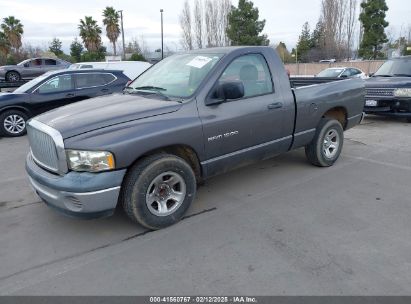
column 53, row 93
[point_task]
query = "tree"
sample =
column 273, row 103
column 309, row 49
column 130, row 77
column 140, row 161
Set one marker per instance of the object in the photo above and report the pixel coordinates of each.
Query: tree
column 55, row 47
column 244, row 28
column 198, row 23
column 13, row 30
column 76, row 48
column 350, row 25
column 4, row 45
column 283, row 52
column 111, row 21
column 186, row 25
column 304, row 43
column 90, row 34
column 373, row 22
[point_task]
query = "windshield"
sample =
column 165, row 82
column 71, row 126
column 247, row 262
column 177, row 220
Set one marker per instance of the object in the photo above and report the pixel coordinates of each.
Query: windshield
column 31, row 84
column 23, row 62
column 176, row 76
column 399, row 67
column 330, row 73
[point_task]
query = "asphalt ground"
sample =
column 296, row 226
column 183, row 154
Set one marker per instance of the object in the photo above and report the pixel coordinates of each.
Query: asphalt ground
column 278, row 227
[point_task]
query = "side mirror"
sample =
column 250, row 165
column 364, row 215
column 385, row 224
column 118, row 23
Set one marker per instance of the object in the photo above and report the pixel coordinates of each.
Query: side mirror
column 226, row 91
column 344, row 76
column 371, row 74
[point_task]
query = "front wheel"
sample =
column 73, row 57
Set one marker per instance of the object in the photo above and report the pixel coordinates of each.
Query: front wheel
column 327, row 144
column 13, row 123
column 158, row 190
column 13, row 76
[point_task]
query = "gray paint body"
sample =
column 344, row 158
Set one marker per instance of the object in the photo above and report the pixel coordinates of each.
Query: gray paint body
column 223, row 136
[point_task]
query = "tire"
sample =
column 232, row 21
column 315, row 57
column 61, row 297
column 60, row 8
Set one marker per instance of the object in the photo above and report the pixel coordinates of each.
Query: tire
column 13, row 76
column 13, row 123
column 148, row 188
column 327, row 144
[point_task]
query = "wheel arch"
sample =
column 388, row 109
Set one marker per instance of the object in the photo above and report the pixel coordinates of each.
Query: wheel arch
column 16, row 108
column 338, row 113
column 181, row 150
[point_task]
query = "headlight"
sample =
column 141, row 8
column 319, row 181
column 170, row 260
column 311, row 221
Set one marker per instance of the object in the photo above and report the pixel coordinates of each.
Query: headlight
column 402, row 92
column 90, row 161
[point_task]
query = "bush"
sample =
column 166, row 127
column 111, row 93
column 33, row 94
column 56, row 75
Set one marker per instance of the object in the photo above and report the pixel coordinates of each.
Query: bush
column 137, row 57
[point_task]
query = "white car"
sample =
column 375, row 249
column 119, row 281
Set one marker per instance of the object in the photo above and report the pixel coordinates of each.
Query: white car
column 342, row 72
column 132, row 69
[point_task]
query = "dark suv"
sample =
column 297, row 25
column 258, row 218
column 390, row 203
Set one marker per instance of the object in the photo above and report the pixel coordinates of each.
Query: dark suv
column 388, row 91
column 52, row 90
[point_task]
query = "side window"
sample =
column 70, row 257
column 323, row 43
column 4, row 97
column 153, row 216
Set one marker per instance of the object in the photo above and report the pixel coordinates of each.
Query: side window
column 355, row 72
column 93, row 80
column 57, row 84
column 347, row 73
column 50, row 62
column 36, row 63
column 253, row 71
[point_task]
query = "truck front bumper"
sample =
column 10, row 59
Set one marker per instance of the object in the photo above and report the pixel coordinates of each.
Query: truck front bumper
column 77, row 194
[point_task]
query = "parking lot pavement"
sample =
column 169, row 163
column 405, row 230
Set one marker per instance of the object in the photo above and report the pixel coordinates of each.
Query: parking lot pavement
column 278, row 227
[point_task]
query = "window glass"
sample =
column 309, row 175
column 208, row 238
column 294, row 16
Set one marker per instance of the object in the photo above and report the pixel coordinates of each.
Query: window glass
column 35, row 63
column 355, row 72
column 177, row 75
column 50, row 62
column 347, row 73
column 253, row 71
column 57, row 84
column 89, row 80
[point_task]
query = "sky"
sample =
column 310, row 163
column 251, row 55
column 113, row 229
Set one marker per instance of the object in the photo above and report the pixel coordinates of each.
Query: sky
column 43, row 20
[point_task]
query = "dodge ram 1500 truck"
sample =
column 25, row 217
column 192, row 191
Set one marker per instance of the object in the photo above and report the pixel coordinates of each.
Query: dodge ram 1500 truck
column 187, row 118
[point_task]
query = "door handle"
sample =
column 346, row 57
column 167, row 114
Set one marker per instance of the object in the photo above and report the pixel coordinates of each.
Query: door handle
column 70, row 95
column 104, row 90
column 275, row 105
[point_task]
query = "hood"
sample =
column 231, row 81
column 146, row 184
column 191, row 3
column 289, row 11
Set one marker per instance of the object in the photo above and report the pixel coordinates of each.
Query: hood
column 100, row 112
column 12, row 97
column 388, row 82
column 8, row 66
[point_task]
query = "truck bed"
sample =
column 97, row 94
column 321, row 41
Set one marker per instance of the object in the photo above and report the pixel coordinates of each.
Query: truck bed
column 306, row 81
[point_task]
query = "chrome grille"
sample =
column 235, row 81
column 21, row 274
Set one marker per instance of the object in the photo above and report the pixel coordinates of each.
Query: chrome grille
column 380, row 92
column 43, row 149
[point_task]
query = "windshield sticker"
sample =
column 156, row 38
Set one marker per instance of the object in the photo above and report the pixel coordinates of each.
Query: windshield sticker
column 199, row 61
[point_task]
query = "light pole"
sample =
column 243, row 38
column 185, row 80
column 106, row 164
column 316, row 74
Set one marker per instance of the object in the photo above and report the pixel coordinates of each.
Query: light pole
column 162, row 45
column 122, row 34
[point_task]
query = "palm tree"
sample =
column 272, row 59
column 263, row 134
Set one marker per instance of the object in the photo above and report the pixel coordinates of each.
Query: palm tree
column 90, row 33
column 111, row 19
column 4, row 45
column 12, row 29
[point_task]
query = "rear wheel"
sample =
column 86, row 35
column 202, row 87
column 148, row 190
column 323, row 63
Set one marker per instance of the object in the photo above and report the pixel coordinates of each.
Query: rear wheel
column 327, row 144
column 13, row 76
column 13, row 123
column 158, row 190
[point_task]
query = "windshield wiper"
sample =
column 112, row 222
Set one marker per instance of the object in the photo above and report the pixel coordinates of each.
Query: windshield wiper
column 150, row 88
column 402, row 75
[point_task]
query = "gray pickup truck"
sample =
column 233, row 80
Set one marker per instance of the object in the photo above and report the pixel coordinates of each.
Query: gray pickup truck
column 187, row 118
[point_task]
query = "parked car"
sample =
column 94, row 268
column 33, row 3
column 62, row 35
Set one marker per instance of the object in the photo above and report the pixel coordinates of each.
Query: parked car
column 132, row 69
column 189, row 117
column 52, row 90
column 342, row 72
column 388, row 91
column 31, row 68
